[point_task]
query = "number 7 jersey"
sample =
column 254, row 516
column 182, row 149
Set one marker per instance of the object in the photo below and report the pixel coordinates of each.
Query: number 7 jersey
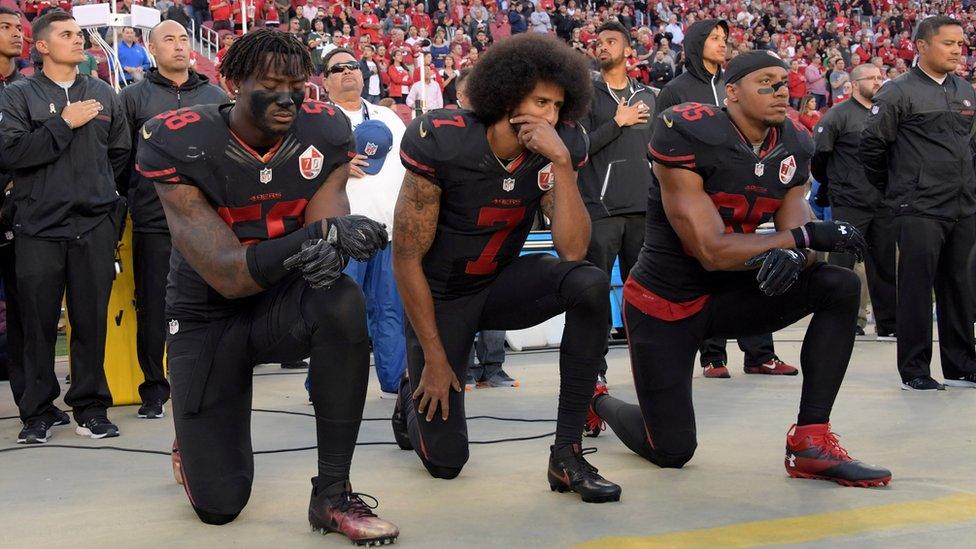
column 259, row 196
column 487, row 205
column 746, row 184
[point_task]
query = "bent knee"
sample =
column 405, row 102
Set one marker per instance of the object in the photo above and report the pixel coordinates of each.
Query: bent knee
column 216, row 519
column 586, row 286
column 341, row 307
column 440, row 471
column 673, row 451
column 670, row 461
column 839, row 283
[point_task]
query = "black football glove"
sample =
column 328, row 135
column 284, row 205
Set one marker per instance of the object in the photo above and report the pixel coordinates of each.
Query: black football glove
column 357, row 236
column 320, row 262
column 831, row 236
column 780, row 269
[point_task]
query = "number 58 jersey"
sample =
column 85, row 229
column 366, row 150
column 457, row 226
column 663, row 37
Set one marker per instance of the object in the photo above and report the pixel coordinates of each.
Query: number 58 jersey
column 487, row 205
column 746, row 184
column 259, row 196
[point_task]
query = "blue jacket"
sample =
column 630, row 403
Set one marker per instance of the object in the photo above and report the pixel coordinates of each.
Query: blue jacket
column 133, row 56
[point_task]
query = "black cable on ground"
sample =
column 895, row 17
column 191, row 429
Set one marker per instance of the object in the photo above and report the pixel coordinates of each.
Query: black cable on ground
column 304, row 448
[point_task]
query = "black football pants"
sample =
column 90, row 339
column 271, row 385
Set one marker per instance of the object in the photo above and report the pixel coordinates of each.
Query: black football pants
column 150, row 259
column 758, row 349
column 531, row 289
column 85, row 267
column 210, row 367
column 879, row 261
column 662, row 428
column 612, row 237
column 934, row 254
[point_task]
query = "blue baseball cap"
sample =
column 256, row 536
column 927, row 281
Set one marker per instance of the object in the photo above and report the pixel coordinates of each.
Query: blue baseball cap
column 374, row 140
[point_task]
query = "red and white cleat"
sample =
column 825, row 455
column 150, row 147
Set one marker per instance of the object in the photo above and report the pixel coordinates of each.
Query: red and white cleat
column 337, row 508
column 772, row 367
column 813, row 452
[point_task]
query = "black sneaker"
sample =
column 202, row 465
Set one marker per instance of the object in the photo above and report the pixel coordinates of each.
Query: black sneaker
column 151, row 409
column 887, row 336
column 924, row 383
column 399, row 419
column 58, row 417
column 968, row 380
column 97, row 427
column 570, row 472
column 35, row 432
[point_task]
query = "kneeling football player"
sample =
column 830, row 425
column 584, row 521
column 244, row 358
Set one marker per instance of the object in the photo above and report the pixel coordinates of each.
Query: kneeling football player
column 475, row 182
column 719, row 173
column 254, row 194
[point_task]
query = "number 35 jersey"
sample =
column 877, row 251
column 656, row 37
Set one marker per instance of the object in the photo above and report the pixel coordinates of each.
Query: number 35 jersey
column 746, row 185
column 487, row 205
column 259, row 196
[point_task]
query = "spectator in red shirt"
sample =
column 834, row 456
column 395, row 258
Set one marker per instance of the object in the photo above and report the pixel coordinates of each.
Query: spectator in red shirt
column 887, row 53
column 905, row 49
column 420, row 18
column 797, row 83
column 809, row 115
column 369, row 24
column 400, row 79
column 220, row 11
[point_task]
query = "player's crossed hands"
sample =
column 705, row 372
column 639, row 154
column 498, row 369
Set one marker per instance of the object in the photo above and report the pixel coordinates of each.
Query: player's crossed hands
column 540, row 137
column 778, row 269
column 356, row 236
column 831, row 236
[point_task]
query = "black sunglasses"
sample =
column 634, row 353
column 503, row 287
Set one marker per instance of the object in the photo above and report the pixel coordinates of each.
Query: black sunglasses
column 342, row 67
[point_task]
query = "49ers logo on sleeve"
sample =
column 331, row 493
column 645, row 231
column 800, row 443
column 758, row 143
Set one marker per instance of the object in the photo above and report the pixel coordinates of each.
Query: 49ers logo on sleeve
column 310, row 162
column 787, row 169
column 546, row 177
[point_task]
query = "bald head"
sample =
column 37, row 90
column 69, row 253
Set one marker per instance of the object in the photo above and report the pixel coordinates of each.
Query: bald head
column 166, row 28
column 170, row 45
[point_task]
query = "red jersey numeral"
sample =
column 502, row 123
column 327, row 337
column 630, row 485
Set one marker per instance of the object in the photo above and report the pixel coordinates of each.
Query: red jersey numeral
column 316, row 107
column 489, row 217
column 693, row 111
column 274, row 220
column 180, row 118
column 456, row 121
column 744, row 218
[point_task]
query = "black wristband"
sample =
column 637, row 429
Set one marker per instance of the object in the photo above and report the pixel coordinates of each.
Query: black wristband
column 265, row 260
column 800, row 237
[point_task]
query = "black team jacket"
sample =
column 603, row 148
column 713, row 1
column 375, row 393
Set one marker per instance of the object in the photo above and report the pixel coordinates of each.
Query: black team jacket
column 64, row 178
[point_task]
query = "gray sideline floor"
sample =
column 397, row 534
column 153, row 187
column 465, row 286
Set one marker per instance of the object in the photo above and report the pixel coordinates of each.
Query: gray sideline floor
column 734, row 492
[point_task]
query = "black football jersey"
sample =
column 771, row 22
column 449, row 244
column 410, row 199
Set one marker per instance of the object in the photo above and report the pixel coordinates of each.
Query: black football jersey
column 486, row 208
column 260, row 197
column 746, row 186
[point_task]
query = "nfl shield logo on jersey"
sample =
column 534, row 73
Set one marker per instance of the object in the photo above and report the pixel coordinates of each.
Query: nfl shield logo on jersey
column 546, row 178
column 760, row 169
column 310, row 162
column 787, row 168
column 508, row 184
column 265, row 175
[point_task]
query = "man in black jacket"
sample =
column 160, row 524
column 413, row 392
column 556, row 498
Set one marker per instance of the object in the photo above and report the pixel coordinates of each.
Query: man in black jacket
column 64, row 136
column 169, row 87
column 703, row 82
column 853, row 199
column 614, row 182
column 917, row 147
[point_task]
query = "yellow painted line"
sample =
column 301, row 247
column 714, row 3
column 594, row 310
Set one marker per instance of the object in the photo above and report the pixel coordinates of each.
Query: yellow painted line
column 956, row 508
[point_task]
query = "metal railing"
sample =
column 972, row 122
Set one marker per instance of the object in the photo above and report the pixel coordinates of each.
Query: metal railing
column 207, row 43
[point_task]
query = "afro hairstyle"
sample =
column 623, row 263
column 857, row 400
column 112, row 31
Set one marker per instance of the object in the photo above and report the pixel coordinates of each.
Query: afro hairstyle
column 510, row 70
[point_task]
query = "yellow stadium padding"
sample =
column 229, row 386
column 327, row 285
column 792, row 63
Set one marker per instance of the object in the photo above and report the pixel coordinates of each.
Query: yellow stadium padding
column 121, row 361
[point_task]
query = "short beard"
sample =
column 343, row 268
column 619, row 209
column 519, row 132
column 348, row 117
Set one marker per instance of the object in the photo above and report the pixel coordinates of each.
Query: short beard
column 773, row 122
column 611, row 63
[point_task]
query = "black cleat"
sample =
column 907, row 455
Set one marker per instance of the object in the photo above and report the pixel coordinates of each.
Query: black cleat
column 97, row 427
column 923, row 383
column 337, row 508
column 151, row 409
column 35, row 432
column 58, row 417
column 570, row 472
column 399, row 420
